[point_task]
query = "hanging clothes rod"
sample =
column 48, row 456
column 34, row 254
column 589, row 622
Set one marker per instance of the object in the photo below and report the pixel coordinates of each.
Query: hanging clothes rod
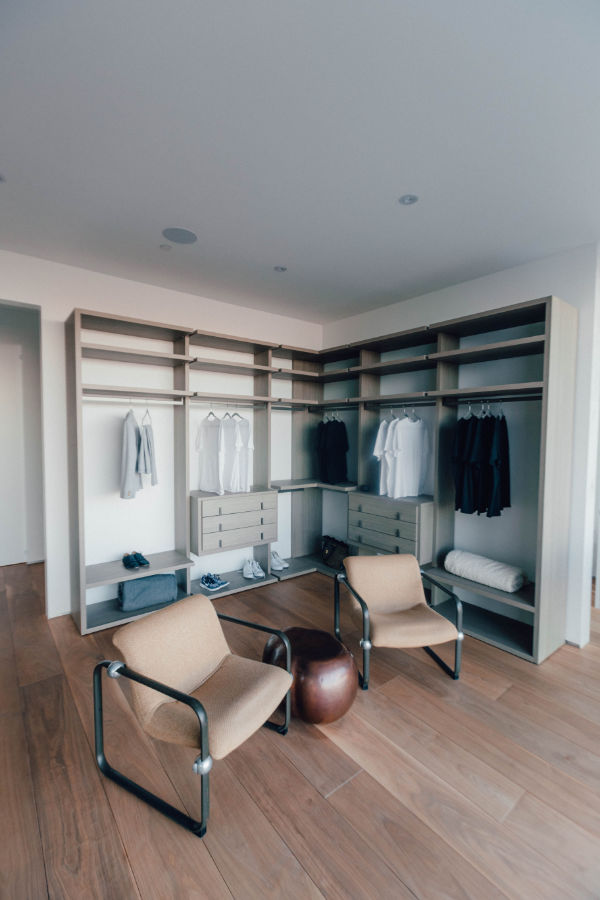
column 227, row 404
column 408, row 405
column 131, row 401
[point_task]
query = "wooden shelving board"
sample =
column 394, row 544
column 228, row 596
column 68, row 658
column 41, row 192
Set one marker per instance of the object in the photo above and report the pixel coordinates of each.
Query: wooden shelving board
column 230, row 368
column 314, row 377
column 522, row 599
column 103, row 390
column 98, row 321
column 304, row 565
column 109, row 613
column 528, row 313
column 113, row 572
column 218, row 341
column 526, row 346
column 495, row 390
column 500, row 631
column 300, row 484
column 143, row 357
column 394, row 366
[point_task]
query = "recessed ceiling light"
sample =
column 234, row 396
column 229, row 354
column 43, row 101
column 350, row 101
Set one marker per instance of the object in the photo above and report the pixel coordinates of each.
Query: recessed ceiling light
column 280, row 268
column 180, row 235
column 408, row 199
column 165, row 246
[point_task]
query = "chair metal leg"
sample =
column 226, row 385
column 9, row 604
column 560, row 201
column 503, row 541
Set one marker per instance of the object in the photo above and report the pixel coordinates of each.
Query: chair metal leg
column 336, row 608
column 282, row 729
column 201, row 766
column 453, row 673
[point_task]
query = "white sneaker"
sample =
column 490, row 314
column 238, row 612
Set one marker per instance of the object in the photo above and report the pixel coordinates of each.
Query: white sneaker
column 248, row 570
column 276, row 565
column 257, row 572
column 280, row 562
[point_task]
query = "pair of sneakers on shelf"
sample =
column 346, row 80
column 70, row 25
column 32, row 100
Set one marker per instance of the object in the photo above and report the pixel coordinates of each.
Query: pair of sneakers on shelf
column 277, row 563
column 134, row 560
column 212, row 582
column 252, row 569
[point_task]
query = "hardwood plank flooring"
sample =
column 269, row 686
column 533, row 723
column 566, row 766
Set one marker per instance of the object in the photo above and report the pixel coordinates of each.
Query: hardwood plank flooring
column 484, row 788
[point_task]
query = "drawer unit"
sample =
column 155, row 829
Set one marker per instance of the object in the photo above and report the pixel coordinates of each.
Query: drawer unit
column 233, row 520
column 391, row 526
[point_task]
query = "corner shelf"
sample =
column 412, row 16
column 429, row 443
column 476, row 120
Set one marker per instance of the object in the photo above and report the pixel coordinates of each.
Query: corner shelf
column 113, row 572
column 299, row 484
column 230, row 368
column 304, row 565
column 393, row 366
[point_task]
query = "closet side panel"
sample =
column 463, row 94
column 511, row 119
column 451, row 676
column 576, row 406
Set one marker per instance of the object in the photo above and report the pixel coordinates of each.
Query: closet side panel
column 75, row 452
column 555, row 483
column 182, row 466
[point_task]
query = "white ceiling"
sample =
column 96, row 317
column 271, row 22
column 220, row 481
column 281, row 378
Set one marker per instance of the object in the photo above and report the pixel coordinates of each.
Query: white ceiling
column 283, row 132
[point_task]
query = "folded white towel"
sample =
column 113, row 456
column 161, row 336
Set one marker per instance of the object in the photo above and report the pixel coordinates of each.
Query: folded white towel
column 484, row 570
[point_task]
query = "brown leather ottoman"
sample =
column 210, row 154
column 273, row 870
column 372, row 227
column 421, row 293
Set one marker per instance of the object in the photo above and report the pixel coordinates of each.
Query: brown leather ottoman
column 325, row 674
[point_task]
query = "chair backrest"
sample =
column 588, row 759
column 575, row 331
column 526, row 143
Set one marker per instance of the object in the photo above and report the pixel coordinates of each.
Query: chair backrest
column 386, row 583
column 181, row 645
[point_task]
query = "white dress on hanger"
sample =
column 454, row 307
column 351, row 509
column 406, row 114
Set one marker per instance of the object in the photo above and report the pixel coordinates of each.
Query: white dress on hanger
column 246, row 454
column 232, row 445
column 411, row 451
column 379, row 454
column 209, row 444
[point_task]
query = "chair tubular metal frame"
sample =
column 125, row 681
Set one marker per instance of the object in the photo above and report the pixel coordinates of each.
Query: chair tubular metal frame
column 203, row 763
column 365, row 643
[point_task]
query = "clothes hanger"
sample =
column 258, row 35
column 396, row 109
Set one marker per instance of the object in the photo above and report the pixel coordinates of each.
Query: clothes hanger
column 147, row 413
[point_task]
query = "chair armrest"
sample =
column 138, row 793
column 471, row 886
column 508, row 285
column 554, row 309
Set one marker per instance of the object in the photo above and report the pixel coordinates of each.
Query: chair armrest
column 117, row 668
column 342, row 578
column 457, row 601
column 280, row 634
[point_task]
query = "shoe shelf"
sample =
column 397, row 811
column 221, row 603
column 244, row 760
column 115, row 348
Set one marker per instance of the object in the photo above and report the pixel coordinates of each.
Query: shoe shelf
column 304, row 565
column 492, row 628
column 237, row 583
column 108, row 612
column 114, row 572
column 127, row 355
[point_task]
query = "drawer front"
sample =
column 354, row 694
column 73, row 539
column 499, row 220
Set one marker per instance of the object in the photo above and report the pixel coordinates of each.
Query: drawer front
column 377, row 539
column 239, row 537
column 406, row 530
column 238, row 520
column 226, row 506
column 383, row 506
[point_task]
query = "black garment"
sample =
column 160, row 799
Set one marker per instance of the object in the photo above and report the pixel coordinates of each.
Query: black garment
column 332, row 446
column 500, row 469
column 480, row 461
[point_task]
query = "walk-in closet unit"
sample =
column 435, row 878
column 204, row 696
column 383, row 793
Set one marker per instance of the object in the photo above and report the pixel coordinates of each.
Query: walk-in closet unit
column 518, row 362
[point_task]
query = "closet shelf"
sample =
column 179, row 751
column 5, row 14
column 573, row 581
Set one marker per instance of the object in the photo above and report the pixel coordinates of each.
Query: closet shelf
column 237, row 583
column 521, row 599
column 530, row 313
column 230, row 368
column 391, row 366
column 102, row 390
column 98, row 321
column 526, row 346
column 299, row 484
column 496, row 390
column 218, row 341
column 113, row 572
column 108, row 612
column 313, row 377
column 142, row 357
column 499, row 631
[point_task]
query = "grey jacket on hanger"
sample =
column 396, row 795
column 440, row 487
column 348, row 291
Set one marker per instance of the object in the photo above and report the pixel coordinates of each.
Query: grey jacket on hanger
column 131, row 480
column 146, row 463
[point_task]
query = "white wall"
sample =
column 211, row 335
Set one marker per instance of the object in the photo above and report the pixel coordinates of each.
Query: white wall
column 58, row 289
column 573, row 276
column 20, row 331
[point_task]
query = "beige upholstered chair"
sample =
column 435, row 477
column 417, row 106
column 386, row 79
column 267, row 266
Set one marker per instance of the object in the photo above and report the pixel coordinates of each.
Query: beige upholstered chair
column 188, row 688
column 389, row 606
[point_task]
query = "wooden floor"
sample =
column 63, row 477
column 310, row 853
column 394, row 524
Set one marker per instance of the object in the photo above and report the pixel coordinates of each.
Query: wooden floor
column 428, row 788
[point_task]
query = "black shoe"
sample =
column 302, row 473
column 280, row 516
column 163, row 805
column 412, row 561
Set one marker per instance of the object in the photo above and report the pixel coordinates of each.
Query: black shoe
column 130, row 562
column 140, row 560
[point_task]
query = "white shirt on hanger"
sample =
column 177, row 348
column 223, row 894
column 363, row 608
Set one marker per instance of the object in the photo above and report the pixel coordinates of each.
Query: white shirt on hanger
column 246, row 454
column 411, row 450
column 232, row 445
column 209, row 444
column 379, row 453
column 390, row 457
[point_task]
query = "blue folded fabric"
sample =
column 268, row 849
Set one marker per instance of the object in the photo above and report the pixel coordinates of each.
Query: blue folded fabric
column 141, row 592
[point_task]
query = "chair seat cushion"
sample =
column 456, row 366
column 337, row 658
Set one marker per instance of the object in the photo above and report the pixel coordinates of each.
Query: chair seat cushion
column 238, row 698
column 419, row 626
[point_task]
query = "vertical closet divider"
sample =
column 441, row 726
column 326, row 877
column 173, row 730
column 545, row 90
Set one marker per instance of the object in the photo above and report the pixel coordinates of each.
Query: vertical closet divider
column 306, row 505
column 261, row 428
column 368, row 422
column 445, row 422
column 181, row 437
